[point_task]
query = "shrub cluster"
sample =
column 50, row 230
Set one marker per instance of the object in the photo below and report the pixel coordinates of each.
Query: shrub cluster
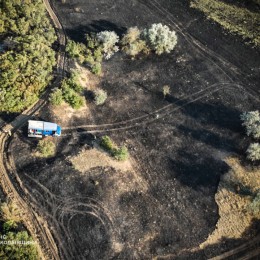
column 28, row 59
column 251, row 120
column 119, row 153
column 46, row 148
column 70, row 92
column 158, row 38
column 89, row 54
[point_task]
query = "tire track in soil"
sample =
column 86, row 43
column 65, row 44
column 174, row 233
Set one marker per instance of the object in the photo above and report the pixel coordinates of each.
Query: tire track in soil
column 156, row 114
column 64, row 207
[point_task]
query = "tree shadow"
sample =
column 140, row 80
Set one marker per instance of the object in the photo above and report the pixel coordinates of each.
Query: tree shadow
column 78, row 33
column 196, row 171
column 212, row 139
column 216, row 114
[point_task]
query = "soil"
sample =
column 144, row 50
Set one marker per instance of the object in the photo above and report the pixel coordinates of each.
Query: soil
column 163, row 203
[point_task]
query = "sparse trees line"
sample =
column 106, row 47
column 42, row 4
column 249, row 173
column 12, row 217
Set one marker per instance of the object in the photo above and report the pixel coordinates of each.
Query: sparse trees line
column 158, row 38
column 27, row 59
column 251, row 121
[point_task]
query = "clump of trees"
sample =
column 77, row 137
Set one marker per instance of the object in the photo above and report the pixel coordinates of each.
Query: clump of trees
column 10, row 218
column 100, row 96
column 158, row 38
column 46, row 148
column 251, row 121
column 70, row 92
column 119, row 153
column 27, row 62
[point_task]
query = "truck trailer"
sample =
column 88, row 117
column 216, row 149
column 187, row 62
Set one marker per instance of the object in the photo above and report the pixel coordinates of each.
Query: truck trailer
column 42, row 128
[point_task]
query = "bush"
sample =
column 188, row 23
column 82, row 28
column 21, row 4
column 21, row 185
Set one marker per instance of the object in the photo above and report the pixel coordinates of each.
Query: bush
column 96, row 68
column 251, row 120
column 10, row 212
column 132, row 44
column 56, row 97
column 131, row 36
column 107, row 143
column 121, row 154
column 71, row 90
column 160, row 38
column 9, row 225
column 166, row 90
column 100, row 96
column 92, row 42
column 73, row 98
column 108, row 39
column 46, row 148
column 73, row 49
column 253, row 152
column 98, row 55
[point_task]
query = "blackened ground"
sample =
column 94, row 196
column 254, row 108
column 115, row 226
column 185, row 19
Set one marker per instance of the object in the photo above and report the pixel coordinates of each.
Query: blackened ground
column 166, row 203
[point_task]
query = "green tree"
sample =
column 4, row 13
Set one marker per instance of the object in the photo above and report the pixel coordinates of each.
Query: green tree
column 160, row 38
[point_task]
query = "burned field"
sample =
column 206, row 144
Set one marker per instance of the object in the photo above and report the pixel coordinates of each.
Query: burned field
column 160, row 203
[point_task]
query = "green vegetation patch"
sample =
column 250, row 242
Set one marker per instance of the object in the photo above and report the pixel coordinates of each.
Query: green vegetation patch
column 70, row 92
column 235, row 19
column 119, row 153
column 46, row 148
column 27, row 60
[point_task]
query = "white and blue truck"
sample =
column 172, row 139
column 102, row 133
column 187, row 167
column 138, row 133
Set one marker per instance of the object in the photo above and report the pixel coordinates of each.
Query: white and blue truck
column 42, row 128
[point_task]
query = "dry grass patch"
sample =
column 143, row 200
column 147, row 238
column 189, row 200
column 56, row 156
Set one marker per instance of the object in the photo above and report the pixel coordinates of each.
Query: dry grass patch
column 235, row 19
column 92, row 158
column 236, row 192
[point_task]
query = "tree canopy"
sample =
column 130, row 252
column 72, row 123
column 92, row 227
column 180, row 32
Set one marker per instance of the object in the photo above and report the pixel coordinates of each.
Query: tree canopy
column 27, row 60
